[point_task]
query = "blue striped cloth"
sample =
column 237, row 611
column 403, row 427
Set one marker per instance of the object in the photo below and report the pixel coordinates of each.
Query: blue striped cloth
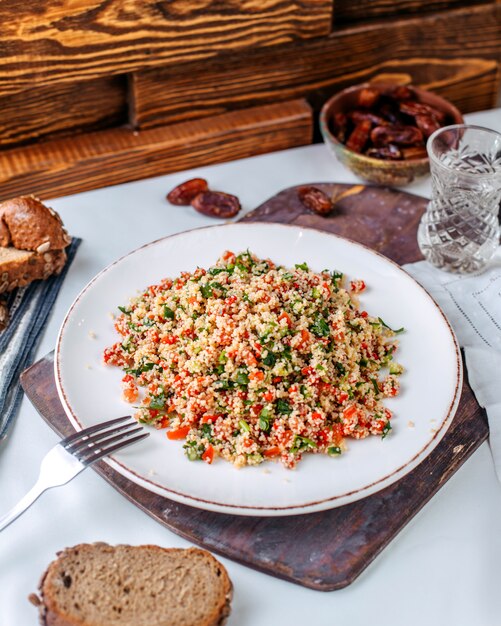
column 29, row 309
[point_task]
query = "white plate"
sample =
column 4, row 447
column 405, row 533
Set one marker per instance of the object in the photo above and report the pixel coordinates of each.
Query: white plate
column 431, row 386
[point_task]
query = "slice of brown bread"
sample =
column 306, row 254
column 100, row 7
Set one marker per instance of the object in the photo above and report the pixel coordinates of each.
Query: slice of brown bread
column 27, row 224
column 20, row 267
column 102, row 585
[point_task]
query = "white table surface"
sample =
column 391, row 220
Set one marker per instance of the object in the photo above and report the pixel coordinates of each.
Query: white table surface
column 443, row 568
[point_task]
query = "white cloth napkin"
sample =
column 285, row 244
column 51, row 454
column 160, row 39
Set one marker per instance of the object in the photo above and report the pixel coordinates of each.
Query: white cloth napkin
column 472, row 304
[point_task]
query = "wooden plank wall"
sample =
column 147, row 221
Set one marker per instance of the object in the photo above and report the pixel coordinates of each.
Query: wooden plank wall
column 102, row 71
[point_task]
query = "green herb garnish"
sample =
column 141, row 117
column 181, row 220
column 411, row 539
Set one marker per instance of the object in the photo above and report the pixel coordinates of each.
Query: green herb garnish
column 283, row 407
column 244, row 426
column 333, row 450
column 320, row 327
column 242, row 378
column 300, row 443
column 265, row 420
column 168, row 312
column 383, row 323
column 270, row 359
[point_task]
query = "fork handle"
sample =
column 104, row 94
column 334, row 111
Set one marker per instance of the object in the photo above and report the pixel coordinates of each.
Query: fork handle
column 23, row 504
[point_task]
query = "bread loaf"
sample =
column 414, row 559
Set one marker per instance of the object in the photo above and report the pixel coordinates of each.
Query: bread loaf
column 32, row 242
column 102, row 585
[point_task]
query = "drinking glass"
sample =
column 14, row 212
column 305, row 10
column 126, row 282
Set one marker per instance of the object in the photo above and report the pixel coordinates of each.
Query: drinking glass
column 459, row 232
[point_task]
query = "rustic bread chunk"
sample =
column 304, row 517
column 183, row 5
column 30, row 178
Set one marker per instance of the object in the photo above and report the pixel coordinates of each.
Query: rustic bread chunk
column 20, row 267
column 102, row 585
column 27, row 224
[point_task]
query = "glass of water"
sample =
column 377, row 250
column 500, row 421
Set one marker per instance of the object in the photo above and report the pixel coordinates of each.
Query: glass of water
column 460, row 230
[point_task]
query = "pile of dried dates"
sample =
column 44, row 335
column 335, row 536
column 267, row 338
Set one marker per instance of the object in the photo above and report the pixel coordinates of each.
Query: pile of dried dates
column 389, row 124
column 212, row 203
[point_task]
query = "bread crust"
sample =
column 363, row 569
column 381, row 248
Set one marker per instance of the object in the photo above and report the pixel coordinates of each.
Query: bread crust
column 18, row 270
column 27, row 224
column 50, row 615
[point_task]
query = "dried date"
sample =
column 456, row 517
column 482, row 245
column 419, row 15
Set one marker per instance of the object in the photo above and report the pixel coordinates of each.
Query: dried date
column 183, row 194
column 340, row 123
column 402, row 92
column 315, row 200
column 368, row 97
column 216, row 204
column 359, row 116
column 359, row 136
column 415, row 152
column 387, row 153
column 418, row 108
column 399, row 135
column 427, row 124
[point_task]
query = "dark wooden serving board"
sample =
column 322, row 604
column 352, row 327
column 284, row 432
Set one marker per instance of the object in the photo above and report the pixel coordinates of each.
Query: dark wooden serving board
column 325, row 550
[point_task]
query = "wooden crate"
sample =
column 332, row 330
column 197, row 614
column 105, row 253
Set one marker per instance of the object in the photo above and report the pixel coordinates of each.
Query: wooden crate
column 76, row 78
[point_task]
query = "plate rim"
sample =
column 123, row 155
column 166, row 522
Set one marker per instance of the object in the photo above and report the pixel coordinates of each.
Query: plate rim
column 269, row 511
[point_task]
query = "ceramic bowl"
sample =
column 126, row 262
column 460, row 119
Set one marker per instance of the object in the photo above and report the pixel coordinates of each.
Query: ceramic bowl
column 379, row 171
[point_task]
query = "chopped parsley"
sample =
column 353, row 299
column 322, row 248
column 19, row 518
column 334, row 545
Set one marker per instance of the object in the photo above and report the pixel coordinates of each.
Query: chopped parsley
column 320, row 327
column 283, row 407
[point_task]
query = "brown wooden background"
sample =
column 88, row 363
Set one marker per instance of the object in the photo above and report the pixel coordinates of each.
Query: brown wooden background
column 96, row 92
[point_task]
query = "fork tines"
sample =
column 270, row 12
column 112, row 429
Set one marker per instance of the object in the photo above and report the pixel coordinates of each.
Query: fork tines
column 94, row 442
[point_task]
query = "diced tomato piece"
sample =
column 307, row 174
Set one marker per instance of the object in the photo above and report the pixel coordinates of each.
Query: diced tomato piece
column 256, row 375
column 342, row 396
column 364, row 314
column 393, row 391
column 250, row 359
column 316, row 416
column 276, row 379
column 228, row 255
column 114, row 355
column 258, row 347
column 164, row 422
column 323, row 437
column 231, row 300
column 293, row 389
column 178, row 433
column 210, row 418
column 357, row 286
column 350, row 411
column 285, row 437
column 285, row 316
column 170, row 339
column 268, row 396
column 153, row 413
column 256, row 409
column 130, row 394
column 337, row 432
column 208, row 455
column 306, row 371
column 171, row 409
column 127, row 378
column 270, row 452
column 265, row 298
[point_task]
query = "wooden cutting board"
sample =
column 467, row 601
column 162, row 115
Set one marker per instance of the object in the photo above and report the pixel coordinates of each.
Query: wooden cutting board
column 325, row 550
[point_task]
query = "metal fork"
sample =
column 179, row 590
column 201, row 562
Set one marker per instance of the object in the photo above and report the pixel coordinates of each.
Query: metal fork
column 73, row 454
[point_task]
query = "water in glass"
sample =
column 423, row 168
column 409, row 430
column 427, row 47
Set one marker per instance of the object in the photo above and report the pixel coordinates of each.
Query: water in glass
column 460, row 230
